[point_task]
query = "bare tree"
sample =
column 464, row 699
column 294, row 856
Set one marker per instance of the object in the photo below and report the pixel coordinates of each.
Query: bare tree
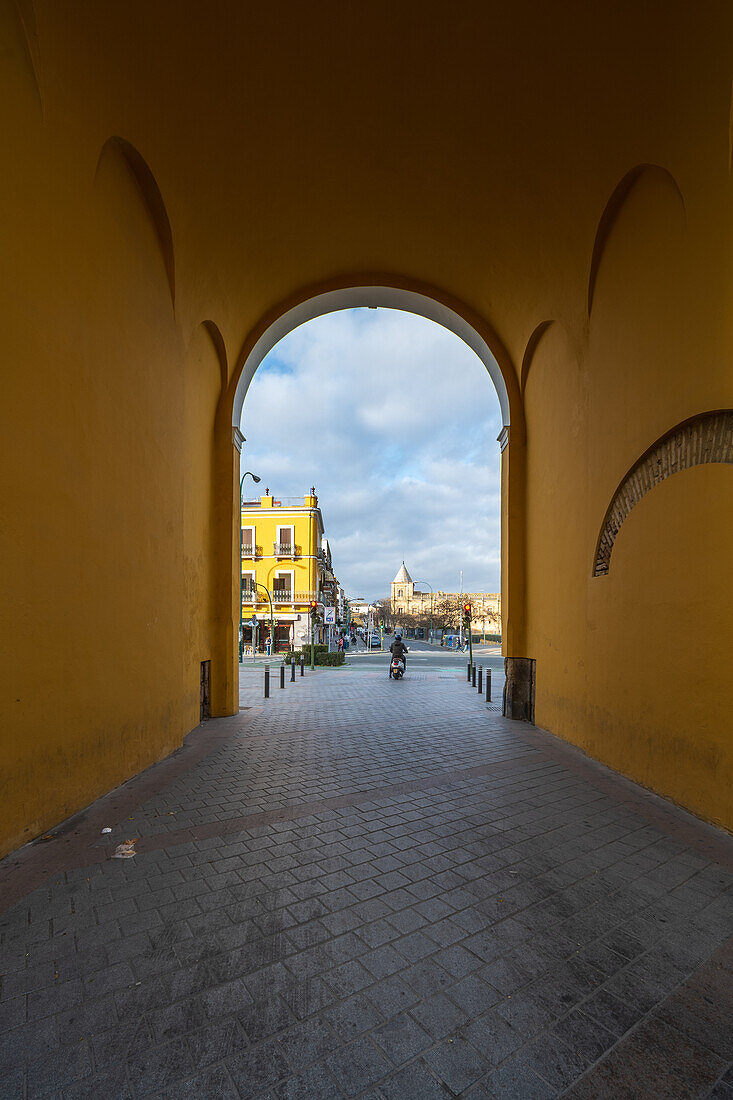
column 447, row 613
column 384, row 610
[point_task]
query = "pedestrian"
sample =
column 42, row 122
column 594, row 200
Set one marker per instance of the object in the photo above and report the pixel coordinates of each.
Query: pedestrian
column 341, row 643
column 268, row 645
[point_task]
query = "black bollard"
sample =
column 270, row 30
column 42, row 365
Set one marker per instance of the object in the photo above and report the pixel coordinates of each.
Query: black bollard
column 292, row 671
column 488, row 685
column 468, row 672
column 473, row 676
column 302, row 665
column 282, row 676
column 479, row 686
column 267, row 681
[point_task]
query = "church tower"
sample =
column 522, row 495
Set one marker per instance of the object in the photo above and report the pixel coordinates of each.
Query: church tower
column 402, row 590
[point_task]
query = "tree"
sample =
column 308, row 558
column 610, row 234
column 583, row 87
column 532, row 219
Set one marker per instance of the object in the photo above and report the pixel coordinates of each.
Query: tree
column 447, row 613
column 384, row 610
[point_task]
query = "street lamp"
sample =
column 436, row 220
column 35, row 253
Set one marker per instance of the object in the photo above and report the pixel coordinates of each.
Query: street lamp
column 431, row 606
column 248, row 473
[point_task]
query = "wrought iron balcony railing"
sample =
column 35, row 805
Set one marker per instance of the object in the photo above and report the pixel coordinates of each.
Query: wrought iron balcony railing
column 286, row 550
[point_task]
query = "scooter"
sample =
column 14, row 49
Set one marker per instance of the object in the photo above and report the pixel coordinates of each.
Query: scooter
column 397, row 668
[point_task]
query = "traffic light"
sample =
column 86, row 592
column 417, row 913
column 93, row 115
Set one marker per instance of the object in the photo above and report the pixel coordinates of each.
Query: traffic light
column 313, row 606
column 467, row 609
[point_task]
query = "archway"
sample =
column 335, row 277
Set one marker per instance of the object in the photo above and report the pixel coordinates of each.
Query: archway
column 387, row 297
column 479, row 336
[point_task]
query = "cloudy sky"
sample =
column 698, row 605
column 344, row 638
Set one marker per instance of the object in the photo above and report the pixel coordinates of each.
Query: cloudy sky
column 394, row 420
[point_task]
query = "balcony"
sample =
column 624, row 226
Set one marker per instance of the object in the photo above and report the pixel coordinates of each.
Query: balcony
column 251, row 552
column 282, row 595
column 286, row 550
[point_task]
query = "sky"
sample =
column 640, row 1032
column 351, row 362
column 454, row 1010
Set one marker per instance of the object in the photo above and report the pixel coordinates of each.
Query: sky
column 394, row 420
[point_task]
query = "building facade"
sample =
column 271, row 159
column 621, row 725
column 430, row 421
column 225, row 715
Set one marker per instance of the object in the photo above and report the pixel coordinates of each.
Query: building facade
column 286, row 564
column 405, row 600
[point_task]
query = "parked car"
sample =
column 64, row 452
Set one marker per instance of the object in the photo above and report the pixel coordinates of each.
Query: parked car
column 376, row 640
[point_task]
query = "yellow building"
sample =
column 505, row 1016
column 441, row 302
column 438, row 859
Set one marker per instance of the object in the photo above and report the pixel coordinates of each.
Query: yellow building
column 405, row 600
column 286, row 563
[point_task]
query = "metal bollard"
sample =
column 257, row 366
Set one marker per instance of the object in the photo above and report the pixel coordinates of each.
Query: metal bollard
column 479, row 686
column 267, row 681
column 468, row 673
column 488, row 685
column 302, row 665
column 292, row 671
column 473, row 676
column 282, row 676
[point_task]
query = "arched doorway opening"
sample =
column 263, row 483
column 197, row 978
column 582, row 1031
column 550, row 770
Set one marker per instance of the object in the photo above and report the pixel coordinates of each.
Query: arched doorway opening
column 479, row 336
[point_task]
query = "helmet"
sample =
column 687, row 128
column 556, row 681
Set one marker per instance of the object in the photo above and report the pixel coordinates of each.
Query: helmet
column 398, row 637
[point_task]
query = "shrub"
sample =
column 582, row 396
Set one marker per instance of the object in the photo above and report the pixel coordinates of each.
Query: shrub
column 321, row 656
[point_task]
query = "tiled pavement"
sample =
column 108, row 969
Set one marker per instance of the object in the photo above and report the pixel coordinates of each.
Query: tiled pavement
column 374, row 890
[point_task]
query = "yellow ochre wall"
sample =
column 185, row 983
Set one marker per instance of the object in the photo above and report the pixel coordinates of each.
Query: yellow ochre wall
column 175, row 176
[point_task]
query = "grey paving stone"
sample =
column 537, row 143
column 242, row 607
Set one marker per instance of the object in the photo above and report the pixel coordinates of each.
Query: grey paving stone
column 456, row 1063
column 100, row 1086
column 214, row 1082
column 401, row 1038
column 217, row 1041
column 414, row 1082
column 258, row 1068
column 358, row 1066
column 310, row 1042
column 314, row 1083
column 160, row 1066
column 493, row 1037
column 439, row 1016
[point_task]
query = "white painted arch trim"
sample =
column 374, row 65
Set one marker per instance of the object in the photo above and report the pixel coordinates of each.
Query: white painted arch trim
column 375, row 296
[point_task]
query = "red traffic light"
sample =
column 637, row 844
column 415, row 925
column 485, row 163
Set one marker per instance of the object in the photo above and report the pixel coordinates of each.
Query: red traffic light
column 314, row 605
column 466, row 608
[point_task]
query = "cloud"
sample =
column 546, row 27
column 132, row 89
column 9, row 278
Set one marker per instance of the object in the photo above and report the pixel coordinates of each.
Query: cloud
column 394, row 420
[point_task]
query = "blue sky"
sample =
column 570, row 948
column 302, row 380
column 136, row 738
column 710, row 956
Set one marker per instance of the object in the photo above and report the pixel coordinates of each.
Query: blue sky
column 394, row 420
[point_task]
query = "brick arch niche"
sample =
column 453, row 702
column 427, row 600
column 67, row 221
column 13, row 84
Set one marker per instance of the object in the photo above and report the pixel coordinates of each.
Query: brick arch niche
column 707, row 437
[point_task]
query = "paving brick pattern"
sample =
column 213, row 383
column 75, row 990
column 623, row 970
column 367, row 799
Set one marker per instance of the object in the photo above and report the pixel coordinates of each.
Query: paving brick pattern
column 458, row 907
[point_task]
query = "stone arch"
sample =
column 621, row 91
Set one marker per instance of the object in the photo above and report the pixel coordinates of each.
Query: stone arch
column 531, row 348
column 221, row 352
column 152, row 201
column 26, row 19
column 389, row 294
column 613, row 208
column 707, row 437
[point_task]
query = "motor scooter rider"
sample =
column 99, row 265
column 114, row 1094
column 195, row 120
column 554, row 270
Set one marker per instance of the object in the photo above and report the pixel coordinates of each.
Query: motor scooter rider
column 399, row 649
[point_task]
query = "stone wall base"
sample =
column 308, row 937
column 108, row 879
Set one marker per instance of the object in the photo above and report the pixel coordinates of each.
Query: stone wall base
column 519, row 688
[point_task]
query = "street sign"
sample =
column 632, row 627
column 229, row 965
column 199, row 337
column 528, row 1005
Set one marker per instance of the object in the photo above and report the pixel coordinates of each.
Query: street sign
column 329, row 616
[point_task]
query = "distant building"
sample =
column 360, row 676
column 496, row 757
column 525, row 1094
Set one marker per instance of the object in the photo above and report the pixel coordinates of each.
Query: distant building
column 405, row 600
column 284, row 553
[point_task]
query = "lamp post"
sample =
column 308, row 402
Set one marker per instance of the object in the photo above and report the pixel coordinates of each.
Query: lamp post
column 248, row 473
column 431, row 606
column 272, row 616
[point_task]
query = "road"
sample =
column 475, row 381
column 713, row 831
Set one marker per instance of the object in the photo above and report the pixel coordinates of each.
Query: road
column 426, row 657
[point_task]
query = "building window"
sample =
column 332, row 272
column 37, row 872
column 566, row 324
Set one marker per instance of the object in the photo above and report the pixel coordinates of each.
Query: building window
column 248, row 542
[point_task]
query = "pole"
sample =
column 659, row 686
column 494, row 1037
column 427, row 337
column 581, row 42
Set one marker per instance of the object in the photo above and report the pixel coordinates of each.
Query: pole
column 292, row 671
column 313, row 652
column 247, row 473
column 267, row 681
column 460, row 624
column 282, row 676
column 488, row 685
column 302, row 665
column 480, row 685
